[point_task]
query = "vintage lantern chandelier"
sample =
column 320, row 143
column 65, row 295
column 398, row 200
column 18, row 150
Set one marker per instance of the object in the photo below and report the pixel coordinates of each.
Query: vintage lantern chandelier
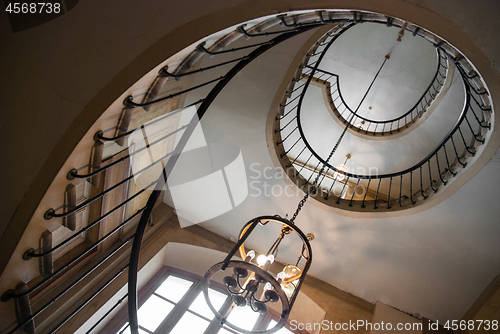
column 250, row 282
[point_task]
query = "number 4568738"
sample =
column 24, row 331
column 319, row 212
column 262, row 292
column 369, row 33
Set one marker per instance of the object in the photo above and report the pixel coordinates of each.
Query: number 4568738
column 33, row 8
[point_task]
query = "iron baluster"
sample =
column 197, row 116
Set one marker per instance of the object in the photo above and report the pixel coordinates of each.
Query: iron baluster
column 129, row 100
column 283, row 140
column 430, row 176
column 338, row 197
column 376, row 194
column 302, row 167
column 88, row 300
column 287, row 112
column 354, row 192
column 201, row 47
column 331, row 187
column 439, row 170
column 106, row 215
column 287, row 124
column 400, row 189
column 411, row 188
column 366, row 193
column 456, row 153
column 448, row 161
column 99, row 135
column 50, row 213
column 389, row 195
column 297, row 157
column 118, row 303
column 291, row 147
column 421, row 184
column 164, row 71
column 465, row 144
column 472, row 131
column 310, row 176
column 9, row 294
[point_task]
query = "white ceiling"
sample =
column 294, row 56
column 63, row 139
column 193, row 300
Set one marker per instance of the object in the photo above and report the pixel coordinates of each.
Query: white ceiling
column 358, row 54
column 434, row 263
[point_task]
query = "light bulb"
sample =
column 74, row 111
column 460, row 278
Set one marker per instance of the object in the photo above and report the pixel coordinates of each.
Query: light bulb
column 268, row 286
column 342, row 168
column 280, row 277
column 250, row 256
column 261, row 260
column 270, row 258
column 291, row 270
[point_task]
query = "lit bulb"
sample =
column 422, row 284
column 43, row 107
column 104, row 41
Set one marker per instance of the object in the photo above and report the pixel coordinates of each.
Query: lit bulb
column 270, row 258
column 342, row 168
column 280, row 277
column 261, row 260
column 288, row 272
column 250, row 256
column 291, row 271
column 268, row 286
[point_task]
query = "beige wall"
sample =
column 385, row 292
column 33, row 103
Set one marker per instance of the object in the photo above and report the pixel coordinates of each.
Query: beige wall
column 384, row 315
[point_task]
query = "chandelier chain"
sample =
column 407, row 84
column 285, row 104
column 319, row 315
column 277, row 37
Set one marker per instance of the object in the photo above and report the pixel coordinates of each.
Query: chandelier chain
column 314, row 185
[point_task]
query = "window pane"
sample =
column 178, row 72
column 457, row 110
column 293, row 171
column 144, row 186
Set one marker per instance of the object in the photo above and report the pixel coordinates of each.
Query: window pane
column 153, row 311
column 200, row 305
column 191, row 324
column 283, row 330
column 174, row 288
column 243, row 317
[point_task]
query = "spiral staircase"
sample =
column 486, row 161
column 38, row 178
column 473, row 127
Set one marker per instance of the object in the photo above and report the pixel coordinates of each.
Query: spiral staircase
column 90, row 226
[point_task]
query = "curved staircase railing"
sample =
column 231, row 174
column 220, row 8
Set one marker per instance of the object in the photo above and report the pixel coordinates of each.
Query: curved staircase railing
column 396, row 190
column 373, row 127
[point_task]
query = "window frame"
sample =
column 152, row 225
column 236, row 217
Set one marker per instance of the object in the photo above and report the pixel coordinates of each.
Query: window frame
column 182, row 306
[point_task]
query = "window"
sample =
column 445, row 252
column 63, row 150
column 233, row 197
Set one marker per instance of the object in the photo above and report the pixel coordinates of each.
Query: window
column 176, row 305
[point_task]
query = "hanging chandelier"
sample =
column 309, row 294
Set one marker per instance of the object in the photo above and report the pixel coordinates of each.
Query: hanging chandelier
column 250, row 282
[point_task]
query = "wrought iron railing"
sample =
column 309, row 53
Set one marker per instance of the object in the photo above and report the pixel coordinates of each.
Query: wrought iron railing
column 286, row 122
column 373, row 127
column 396, row 190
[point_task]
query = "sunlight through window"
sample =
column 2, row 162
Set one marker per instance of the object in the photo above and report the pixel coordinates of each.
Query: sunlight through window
column 174, row 288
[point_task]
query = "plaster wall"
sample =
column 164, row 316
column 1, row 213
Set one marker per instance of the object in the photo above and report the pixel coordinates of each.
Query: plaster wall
column 384, row 314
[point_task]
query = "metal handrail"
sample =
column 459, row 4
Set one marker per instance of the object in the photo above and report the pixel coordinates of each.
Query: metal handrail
column 9, row 294
column 413, row 112
column 60, row 294
column 418, row 165
column 458, row 138
column 88, row 227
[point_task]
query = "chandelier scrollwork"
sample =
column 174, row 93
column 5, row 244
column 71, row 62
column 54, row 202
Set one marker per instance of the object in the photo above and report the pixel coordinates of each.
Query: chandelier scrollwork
column 250, row 281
